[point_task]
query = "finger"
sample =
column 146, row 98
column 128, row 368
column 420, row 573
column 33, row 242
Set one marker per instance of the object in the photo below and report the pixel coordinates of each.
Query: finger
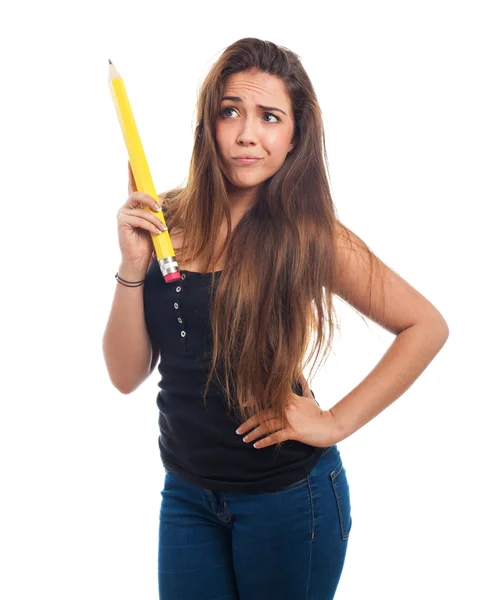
column 137, row 211
column 265, row 429
column 252, row 422
column 274, row 438
column 143, row 214
column 138, row 222
column 140, row 199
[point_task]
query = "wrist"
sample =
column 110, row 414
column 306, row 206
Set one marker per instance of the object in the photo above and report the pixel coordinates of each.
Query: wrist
column 337, row 429
column 132, row 271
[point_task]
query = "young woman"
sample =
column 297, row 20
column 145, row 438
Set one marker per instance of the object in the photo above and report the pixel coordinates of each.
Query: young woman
column 262, row 254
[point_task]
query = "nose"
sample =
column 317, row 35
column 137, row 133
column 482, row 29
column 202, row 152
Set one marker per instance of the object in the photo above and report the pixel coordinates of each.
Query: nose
column 247, row 134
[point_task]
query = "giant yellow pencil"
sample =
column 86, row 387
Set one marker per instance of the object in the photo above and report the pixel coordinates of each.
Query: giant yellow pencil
column 161, row 241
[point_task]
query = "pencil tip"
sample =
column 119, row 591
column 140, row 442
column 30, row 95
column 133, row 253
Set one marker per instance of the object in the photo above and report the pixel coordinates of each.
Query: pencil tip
column 110, row 61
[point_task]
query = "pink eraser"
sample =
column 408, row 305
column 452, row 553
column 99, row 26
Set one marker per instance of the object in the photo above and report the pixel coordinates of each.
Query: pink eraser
column 170, row 277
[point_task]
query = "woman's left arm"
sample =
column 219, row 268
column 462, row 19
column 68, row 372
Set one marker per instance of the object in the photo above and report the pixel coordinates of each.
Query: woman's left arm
column 420, row 330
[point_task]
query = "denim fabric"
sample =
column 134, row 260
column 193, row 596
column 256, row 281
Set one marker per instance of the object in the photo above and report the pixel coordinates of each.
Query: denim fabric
column 285, row 545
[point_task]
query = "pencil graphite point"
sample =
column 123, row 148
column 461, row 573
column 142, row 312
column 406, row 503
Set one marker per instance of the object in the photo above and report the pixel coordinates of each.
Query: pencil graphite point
column 109, row 60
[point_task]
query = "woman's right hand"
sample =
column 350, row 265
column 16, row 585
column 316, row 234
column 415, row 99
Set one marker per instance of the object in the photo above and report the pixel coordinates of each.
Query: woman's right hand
column 136, row 224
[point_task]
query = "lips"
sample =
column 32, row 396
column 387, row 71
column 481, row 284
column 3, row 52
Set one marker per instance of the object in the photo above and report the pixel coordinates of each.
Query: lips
column 246, row 161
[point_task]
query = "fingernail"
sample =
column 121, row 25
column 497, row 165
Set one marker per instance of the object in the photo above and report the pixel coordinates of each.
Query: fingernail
column 157, row 207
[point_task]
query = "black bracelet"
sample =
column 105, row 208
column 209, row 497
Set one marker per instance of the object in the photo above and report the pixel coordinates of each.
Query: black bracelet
column 126, row 283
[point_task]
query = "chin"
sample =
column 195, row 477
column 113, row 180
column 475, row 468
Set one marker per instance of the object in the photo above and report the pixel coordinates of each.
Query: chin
column 241, row 185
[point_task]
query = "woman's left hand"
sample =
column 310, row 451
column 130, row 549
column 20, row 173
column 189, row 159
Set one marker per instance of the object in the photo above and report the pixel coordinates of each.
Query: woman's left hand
column 309, row 423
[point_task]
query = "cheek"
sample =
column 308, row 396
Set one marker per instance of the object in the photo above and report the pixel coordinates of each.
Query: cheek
column 219, row 136
column 278, row 144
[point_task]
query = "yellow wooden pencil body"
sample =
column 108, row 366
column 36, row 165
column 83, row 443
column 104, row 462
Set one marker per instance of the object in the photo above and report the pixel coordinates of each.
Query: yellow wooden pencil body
column 161, row 242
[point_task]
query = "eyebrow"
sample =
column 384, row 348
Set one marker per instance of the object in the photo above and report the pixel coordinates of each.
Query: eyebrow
column 238, row 99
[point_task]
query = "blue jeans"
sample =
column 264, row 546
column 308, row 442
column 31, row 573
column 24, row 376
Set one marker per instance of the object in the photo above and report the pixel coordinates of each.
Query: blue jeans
column 284, row 545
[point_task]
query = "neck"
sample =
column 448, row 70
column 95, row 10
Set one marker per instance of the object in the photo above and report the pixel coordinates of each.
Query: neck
column 240, row 200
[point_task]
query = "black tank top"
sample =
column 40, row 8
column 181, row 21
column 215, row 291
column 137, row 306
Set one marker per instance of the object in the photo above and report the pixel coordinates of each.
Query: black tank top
column 198, row 443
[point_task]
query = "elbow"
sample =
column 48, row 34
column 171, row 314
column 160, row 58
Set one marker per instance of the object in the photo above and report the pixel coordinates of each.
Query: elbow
column 120, row 383
column 124, row 380
column 442, row 328
column 123, row 387
column 433, row 329
column 122, row 390
column 438, row 330
column 127, row 388
column 437, row 325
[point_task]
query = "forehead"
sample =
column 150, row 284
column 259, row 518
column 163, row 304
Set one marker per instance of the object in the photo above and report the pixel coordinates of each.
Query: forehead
column 256, row 85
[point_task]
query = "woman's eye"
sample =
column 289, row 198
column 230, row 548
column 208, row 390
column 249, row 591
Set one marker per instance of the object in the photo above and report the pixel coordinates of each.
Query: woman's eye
column 274, row 116
column 224, row 114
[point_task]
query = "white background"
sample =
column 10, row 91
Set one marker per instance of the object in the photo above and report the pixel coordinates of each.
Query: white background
column 410, row 95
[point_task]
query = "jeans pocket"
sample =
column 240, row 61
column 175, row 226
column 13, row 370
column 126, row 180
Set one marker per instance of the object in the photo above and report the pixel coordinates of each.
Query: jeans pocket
column 342, row 492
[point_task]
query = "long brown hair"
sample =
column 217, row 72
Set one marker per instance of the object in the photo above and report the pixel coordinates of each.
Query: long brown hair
column 276, row 289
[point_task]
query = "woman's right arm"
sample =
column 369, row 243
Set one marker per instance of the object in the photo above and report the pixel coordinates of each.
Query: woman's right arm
column 129, row 354
column 128, row 351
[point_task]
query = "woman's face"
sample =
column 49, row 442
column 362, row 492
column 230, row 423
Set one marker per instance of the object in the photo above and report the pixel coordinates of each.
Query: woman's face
column 243, row 128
